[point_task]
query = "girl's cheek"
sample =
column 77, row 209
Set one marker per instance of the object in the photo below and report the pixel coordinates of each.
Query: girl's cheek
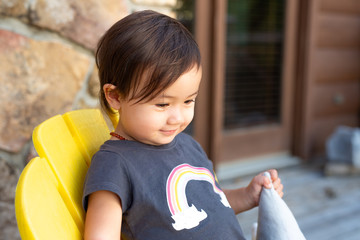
column 189, row 117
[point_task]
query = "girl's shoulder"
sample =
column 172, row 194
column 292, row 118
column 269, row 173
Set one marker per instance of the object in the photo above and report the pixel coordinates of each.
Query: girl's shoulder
column 120, row 146
column 185, row 138
column 188, row 141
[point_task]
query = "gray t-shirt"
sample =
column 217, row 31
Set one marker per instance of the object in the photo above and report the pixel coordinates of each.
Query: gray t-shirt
column 167, row 192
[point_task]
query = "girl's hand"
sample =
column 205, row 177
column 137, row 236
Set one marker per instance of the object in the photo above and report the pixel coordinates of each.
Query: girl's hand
column 255, row 186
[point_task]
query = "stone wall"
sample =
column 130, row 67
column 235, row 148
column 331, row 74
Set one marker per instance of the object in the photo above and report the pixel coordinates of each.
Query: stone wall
column 47, row 68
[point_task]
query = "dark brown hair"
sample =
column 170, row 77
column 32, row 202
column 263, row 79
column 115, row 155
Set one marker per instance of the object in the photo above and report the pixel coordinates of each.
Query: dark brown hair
column 143, row 54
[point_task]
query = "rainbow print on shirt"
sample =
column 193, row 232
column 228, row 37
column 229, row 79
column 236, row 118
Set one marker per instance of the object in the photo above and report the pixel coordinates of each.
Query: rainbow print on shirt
column 185, row 216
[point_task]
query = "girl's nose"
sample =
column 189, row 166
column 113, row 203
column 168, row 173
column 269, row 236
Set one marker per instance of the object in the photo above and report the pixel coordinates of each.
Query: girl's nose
column 176, row 116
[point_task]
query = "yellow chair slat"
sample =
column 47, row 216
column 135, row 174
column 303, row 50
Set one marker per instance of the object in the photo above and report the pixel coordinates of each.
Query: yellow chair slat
column 114, row 118
column 89, row 138
column 48, row 195
column 41, row 212
column 54, row 142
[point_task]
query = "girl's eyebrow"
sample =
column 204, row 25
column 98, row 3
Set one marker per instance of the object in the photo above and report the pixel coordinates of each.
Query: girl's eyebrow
column 191, row 95
column 195, row 93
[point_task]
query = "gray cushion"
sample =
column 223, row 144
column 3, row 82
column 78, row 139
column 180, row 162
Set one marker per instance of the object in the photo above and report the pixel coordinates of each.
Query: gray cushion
column 276, row 221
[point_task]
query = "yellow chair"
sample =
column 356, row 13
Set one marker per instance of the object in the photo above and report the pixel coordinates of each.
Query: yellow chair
column 49, row 191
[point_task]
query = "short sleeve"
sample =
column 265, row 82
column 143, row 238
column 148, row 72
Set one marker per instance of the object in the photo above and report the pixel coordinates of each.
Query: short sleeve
column 108, row 171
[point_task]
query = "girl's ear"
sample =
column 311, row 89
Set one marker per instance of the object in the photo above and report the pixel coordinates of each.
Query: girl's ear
column 112, row 96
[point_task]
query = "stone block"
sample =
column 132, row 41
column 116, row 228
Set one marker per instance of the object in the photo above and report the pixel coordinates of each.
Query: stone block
column 94, row 84
column 83, row 21
column 8, row 179
column 15, row 8
column 38, row 79
column 169, row 3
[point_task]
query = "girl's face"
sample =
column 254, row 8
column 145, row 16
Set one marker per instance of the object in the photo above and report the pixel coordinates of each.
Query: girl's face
column 158, row 122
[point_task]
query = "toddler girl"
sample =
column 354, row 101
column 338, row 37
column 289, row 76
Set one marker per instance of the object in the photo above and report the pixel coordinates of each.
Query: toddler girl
column 150, row 180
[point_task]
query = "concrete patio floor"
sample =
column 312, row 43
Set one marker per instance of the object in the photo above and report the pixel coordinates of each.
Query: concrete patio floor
column 326, row 207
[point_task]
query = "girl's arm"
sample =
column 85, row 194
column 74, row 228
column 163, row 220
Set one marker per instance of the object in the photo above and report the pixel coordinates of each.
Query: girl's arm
column 245, row 198
column 103, row 217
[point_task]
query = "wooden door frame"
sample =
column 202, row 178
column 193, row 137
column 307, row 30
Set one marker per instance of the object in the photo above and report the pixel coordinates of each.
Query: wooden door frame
column 218, row 72
column 210, row 31
column 204, row 36
column 302, row 94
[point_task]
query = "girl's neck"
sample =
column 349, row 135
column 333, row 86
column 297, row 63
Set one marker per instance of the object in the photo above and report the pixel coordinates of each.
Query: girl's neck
column 117, row 136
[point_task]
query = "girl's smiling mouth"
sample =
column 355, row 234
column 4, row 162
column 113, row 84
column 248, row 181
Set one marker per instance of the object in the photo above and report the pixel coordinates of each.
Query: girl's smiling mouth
column 168, row 132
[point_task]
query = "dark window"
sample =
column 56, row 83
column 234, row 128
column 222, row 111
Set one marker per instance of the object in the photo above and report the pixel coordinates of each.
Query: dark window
column 255, row 36
column 185, row 13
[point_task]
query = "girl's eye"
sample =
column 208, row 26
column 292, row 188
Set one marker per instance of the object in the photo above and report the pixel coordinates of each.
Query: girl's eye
column 189, row 101
column 162, row 105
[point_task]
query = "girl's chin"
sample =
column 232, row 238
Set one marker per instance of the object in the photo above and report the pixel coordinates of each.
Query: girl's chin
column 159, row 142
